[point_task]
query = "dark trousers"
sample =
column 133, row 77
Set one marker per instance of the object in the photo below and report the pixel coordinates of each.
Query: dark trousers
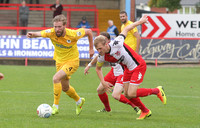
column 24, row 23
column 7, row 1
column 31, row 1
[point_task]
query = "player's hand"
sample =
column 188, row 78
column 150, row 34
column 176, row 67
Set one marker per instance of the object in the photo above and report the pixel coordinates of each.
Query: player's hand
column 144, row 19
column 1, row 76
column 29, row 35
column 86, row 70
column 91, row 52
column 107, row 86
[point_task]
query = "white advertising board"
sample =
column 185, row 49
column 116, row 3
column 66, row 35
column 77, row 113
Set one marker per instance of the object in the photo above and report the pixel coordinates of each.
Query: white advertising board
column 172, row 26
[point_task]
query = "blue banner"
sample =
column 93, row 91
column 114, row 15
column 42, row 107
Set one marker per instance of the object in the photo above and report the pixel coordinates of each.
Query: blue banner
column 22, row 47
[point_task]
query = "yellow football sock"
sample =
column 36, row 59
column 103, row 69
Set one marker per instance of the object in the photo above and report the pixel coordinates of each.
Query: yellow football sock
column 72, row 93
column 57, row 91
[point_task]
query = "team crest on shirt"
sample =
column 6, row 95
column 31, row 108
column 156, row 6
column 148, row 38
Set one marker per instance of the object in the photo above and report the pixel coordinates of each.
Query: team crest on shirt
column 78, row 33
column 48, row 30
column 68, row 41
column 118, row 53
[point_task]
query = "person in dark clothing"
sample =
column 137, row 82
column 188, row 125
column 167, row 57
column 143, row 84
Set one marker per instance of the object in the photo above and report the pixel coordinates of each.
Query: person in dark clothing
column 24, row 12
column 56, row 8
column 31, row 1
column 112, row 29
column 2, row 1
column 6, row 2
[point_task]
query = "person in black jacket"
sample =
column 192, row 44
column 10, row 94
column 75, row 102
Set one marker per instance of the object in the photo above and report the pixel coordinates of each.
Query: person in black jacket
column 56, row 8
column 2, row 1
column 31, row 2
column 24, row 13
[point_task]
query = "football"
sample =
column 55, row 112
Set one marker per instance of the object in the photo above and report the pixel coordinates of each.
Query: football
column 44, row 110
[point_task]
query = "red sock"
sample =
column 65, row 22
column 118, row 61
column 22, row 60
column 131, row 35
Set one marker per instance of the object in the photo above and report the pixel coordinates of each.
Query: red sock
column 139, row 103
column 104, row 99
column 124, row 100
column 155, row 91
column 142, row 92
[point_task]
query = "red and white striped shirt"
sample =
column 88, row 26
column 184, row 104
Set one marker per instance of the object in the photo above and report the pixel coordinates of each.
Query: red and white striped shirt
column 122, row 54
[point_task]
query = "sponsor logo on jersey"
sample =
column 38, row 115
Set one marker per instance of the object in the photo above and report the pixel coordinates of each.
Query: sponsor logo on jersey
column 78, row 33
column 62, row 46
column 68, row 41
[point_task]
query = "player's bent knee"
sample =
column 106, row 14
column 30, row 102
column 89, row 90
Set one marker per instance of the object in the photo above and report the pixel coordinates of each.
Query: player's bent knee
column 55, row 79
column 100, row 90
column 132, row 95
column 65, row 89
column 126, row 95
column 115, row 96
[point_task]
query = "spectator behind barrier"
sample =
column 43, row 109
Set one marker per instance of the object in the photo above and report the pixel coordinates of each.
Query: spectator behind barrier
column 37, row 1
column 112, row 29
column 56, row 8
column 83, row 23
column 24, row 12
column 2, row 1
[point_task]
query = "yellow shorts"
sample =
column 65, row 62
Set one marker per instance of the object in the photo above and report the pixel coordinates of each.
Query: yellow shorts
column 68, row 67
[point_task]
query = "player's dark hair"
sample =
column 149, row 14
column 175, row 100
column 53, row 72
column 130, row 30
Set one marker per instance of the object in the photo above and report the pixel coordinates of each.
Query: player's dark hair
column 123, row 12
column 105, row 34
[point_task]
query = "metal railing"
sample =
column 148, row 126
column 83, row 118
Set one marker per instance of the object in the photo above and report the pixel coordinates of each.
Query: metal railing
column 46, row 7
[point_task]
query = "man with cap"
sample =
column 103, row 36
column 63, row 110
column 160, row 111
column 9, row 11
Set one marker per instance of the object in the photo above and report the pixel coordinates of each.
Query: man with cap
column 83, row 23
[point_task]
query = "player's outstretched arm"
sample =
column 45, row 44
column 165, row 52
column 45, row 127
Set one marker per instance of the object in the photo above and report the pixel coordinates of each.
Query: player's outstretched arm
column 142, row 20
column 93, row 61
column 137, row 35
column 33, row 34
column 88, row 32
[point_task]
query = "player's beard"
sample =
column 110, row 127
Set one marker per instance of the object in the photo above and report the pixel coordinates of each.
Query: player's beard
column 124, row 21
column 59, row 34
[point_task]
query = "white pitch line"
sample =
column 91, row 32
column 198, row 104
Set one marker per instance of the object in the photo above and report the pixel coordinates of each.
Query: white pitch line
column 27, row 92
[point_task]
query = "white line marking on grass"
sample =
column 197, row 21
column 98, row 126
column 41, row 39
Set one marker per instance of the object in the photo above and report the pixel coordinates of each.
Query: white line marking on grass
column 28, row 92
column 184, row 96
column 23, row 92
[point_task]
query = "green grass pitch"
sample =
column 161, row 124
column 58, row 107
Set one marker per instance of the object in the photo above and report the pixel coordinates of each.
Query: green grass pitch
column 24, row 88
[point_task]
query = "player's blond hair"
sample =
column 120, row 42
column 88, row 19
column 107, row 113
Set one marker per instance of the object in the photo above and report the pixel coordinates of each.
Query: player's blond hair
column 60, row 18
column 99, row 40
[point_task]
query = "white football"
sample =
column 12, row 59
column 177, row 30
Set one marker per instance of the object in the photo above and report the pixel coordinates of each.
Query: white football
column 44, row 110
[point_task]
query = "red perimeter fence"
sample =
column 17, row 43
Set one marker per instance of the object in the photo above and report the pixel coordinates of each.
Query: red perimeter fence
column 46, row 7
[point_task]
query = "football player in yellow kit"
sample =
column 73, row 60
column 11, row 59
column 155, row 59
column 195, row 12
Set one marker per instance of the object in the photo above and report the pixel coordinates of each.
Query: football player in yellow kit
column 66, row 56
column 133, row 38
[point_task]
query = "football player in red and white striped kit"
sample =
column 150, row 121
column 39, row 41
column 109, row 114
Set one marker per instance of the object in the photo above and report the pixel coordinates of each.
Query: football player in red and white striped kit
column 135, row 67
column 114, row 77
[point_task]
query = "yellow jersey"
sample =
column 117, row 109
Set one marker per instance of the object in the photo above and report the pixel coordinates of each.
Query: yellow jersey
column 130, row 40
column 65, row 47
